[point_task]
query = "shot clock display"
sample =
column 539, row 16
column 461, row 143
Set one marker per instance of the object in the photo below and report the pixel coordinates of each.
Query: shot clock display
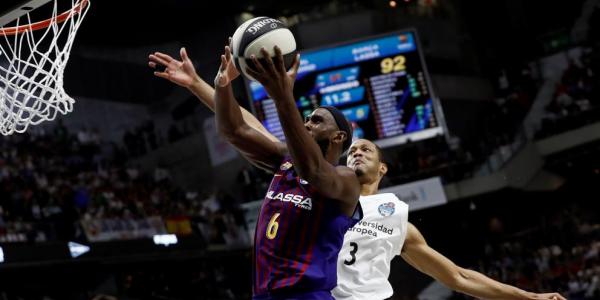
column 380, row 84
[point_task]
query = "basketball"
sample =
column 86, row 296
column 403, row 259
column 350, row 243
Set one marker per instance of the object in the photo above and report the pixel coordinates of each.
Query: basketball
column 260, row 32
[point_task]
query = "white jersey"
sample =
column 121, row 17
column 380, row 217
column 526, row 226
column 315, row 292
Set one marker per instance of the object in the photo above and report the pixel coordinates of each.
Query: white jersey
column 363, row 264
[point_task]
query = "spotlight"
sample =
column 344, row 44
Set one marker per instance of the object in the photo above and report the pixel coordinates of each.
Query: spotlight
column 392, row 3
column 165, row 239
column 77, row 249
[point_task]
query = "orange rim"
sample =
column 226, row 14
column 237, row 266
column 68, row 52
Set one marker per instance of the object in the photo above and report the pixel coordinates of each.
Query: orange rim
column 44, row 24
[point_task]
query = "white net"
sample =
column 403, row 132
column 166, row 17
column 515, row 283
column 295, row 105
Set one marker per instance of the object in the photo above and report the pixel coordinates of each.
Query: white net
column 32, row 64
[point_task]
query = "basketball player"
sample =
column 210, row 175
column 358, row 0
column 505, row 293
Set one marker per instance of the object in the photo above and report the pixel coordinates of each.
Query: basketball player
column 384, row 232
column 366, row 159
column 311, row 202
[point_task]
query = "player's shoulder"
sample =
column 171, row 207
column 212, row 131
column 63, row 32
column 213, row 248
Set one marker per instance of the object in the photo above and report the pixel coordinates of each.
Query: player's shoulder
column 344, row 171
column 349, row 178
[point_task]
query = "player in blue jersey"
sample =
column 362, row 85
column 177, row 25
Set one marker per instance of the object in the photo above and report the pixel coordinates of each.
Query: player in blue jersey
column 311, row 201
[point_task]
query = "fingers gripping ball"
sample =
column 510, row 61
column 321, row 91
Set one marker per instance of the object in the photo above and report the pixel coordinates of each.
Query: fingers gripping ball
column 257, row 33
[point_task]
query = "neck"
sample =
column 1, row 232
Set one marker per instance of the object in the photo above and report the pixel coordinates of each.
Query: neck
column 370, row 188
column 332, row 156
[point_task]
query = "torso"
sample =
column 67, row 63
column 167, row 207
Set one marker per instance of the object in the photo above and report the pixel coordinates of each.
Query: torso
column 369, row 247
column 298, row 237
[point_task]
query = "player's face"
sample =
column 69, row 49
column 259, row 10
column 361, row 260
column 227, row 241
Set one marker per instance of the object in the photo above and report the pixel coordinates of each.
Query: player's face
column 364, row 159
column 320, row 125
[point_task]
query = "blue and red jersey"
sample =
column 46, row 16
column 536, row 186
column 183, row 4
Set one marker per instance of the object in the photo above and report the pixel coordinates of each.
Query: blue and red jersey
column 299, row 234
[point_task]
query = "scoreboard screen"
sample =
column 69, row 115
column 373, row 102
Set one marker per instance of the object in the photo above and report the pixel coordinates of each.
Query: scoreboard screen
column 379, row 83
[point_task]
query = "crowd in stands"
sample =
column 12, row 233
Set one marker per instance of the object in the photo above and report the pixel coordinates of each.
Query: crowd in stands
column 572, row 269
column 53, row 180
column 576, row 100
column 561, row 253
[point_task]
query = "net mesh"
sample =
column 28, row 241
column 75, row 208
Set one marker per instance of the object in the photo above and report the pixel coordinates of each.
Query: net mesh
column 32, row 64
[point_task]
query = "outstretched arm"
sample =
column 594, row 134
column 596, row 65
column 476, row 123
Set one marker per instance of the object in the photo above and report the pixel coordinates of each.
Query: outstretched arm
column 183, row 73
column 339, row 183
column 251, row 143
column 418, row 254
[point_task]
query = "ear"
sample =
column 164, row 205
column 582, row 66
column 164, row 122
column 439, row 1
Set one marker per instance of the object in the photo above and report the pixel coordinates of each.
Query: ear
column 383, row 168
column 340, row 137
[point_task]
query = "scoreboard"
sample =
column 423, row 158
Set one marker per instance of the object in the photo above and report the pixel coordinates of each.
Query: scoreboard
column 379, row 83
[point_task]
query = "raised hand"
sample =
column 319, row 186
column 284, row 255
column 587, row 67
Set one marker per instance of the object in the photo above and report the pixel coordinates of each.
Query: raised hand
column 227, row 71
column 273, row 75
column 181, row 72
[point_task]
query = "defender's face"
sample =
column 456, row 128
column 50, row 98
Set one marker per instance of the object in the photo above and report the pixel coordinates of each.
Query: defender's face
column 363, row 158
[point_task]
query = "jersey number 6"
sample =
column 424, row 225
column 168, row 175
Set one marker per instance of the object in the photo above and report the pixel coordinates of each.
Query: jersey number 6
column 272, row 227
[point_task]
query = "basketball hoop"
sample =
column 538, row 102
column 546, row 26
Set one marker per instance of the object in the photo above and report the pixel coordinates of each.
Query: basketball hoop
column 33, row 57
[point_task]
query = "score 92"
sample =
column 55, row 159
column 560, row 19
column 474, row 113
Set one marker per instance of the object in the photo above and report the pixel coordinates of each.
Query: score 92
column 393, row 64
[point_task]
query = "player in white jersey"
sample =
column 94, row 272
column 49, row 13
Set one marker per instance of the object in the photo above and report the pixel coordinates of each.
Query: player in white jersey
column 369, row 247
column 384, row 231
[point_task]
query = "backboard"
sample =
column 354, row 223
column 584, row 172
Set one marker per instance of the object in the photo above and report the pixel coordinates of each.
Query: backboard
column 10, row 10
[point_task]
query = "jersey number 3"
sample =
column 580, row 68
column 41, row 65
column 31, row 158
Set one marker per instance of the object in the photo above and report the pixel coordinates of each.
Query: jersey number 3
column 272, row 227
column 352, row 253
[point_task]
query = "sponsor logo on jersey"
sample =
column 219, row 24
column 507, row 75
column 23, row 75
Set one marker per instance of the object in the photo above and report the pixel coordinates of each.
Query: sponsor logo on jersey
column 297, row 200
column 258, row 25
column 286, row 166
column 386, row 209
column 371, row 228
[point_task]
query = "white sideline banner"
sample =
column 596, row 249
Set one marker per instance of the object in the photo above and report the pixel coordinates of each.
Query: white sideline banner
column 420, row 194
